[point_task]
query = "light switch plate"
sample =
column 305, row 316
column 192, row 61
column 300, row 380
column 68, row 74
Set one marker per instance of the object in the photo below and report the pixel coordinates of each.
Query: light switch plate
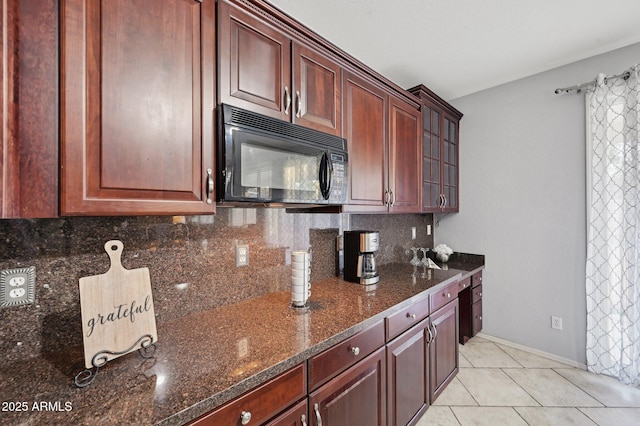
column 17, row 286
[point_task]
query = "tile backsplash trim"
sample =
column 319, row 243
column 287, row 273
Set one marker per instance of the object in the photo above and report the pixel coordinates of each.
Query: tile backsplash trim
column 191, row 261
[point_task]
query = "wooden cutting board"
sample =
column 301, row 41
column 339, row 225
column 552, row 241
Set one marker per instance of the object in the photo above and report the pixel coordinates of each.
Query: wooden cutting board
column 117, row 309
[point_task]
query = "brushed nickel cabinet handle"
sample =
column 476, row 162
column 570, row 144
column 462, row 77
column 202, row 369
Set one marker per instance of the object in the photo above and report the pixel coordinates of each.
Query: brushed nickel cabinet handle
column 287, row 100
column 299, row 104
column 210, row 186
column 355, row 350
column 412, row 316
column 435, row 331
column 318, row 417
column 245, row 417
column 303, row 420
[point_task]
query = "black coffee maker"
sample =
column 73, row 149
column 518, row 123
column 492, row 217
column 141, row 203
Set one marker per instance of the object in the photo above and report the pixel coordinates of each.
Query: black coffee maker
column 359, row 256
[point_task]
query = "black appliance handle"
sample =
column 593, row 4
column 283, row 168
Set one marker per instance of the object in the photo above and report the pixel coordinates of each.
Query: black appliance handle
column 326, row 172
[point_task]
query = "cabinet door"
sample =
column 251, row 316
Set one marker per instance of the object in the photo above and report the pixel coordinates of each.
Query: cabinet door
column 365, row 128
column 254, row 68
column 407, row 376
column 404, row 157
column 443, row 348
column 137, row 106
column 450, row 164
column 29, row 109
column 316, row 81
column 431, row 176
column 355, row 398
column 296, row 416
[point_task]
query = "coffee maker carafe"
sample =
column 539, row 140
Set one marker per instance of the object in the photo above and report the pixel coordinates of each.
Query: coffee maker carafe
column 359, row 256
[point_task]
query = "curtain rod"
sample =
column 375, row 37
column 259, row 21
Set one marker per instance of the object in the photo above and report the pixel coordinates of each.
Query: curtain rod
column 578, row 87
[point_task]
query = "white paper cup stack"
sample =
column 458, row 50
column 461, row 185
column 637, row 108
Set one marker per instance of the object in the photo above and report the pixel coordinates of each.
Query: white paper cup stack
column 300, row 278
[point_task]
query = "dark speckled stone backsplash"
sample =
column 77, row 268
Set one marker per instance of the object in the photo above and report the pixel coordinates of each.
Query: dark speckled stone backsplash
column 191, row 261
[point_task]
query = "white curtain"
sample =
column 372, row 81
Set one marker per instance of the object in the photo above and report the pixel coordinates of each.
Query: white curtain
column 613, row 240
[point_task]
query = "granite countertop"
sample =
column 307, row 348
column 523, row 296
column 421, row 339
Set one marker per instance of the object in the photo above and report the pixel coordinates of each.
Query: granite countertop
column 206, row 359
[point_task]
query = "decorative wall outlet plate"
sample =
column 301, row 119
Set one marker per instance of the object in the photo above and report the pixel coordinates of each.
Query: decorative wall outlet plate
column 17, row 286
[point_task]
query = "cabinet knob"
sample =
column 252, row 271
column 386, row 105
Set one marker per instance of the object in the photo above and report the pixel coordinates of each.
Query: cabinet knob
column 447, row 294
column 245, row 417
column 480, row 294
column 355, row 350
column 410, row 315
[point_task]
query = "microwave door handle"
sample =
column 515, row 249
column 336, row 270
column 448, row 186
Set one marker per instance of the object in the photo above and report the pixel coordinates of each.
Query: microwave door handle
column 325, row 176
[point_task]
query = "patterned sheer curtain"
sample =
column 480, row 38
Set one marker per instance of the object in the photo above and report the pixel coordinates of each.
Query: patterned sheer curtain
column 613, row 241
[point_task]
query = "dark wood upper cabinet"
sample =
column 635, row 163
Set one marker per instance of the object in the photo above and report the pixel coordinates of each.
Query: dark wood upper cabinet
column 137, row 108
column 254, row 68
column 440, row 152
column 265, row 69
column 316, row 81
column 404, row 157
column 365, row 128
column 383, row 134
column 29, row 109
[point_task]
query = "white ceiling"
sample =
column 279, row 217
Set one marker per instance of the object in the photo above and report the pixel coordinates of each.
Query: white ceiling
column 458, row 47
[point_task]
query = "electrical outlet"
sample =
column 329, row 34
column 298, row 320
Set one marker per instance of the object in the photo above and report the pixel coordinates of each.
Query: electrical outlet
column 243, row 347
column 17, row 286
column 428, row 229
column 242, row 255
column 413, row 232
column 556, row 323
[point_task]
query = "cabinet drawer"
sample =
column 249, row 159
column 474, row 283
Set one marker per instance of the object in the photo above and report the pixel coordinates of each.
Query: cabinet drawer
column 444, row 296
column 405, row 318
column 462, row 284
column 476, row 279
column 329, row 363
column 261, row 403
column 476, row 311
column 477, row 293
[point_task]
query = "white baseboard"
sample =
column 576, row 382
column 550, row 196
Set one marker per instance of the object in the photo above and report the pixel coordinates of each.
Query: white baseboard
column 553, row 357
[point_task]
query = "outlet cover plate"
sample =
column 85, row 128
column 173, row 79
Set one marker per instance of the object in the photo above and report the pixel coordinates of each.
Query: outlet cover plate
column 242, row 255
column 17, row 286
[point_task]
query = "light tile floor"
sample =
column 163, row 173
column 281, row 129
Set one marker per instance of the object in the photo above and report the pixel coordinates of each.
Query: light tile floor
column 500, row 385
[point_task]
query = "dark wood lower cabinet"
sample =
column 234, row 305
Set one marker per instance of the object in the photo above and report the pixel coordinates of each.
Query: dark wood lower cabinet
column 443, row 348
column 471, row 308
column 356, row 397
column 295, row 416
column 262, row 403
column 407, row 376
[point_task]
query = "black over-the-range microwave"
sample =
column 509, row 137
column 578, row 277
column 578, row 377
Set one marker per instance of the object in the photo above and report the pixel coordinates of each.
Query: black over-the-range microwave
column 265, row 160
